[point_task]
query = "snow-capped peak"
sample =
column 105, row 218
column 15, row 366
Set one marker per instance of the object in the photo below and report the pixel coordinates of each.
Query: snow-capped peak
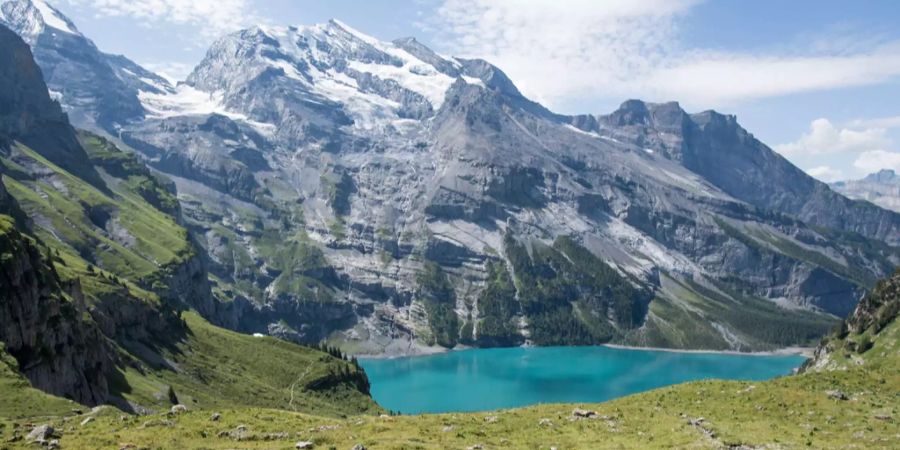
column 374, row 81
column 356, row 33
column 30, row 18
column 53, row 18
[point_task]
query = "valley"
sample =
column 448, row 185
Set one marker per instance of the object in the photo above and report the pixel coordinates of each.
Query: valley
column 320, row 239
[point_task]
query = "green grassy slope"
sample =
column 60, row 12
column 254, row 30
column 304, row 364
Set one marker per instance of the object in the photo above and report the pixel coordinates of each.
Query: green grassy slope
column 216, row 368
column 117, row 230
column 792, row 412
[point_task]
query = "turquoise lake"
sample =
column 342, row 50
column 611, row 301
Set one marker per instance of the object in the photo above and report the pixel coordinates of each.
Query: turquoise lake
column 487, row 379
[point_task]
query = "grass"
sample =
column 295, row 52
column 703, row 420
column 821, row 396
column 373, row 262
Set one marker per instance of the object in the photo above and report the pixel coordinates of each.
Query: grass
column 68, row 208
column 217, row 368
column 790, row 412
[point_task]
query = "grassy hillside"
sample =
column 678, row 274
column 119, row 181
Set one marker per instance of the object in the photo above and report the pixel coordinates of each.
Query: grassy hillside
column 116, row 229
column 792, row 412
column 215, row 368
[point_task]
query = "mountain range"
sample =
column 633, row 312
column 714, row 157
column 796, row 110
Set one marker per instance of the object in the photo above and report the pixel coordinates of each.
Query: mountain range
column 358, row 196
column 881, row 188
column 391, row 200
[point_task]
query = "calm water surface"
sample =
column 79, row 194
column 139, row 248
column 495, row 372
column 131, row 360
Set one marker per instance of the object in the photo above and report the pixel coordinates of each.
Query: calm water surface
column 486, row 379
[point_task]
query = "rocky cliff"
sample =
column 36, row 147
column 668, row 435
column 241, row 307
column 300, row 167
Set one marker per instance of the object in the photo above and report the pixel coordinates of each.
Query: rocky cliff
column 45, row 324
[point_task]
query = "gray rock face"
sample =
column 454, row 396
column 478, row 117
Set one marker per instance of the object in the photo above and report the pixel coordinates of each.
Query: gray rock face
column 41, row 326
column 881, row 188
column 321, row 169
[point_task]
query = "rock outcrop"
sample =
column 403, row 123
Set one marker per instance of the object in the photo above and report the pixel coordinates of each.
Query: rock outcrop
column 44, row 324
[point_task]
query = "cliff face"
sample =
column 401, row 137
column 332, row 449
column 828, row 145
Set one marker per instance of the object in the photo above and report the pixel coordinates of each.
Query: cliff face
column 30, row 116
column 47, row 330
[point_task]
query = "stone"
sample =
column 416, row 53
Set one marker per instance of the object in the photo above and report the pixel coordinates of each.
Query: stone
column 545, row 422
column 837, row 395
column 491, row 419
column 215, row 417
column 87, row 420
column 178, row 409
column 358, row 447
column 583, row 413
column 303, row 444
column 40, row 434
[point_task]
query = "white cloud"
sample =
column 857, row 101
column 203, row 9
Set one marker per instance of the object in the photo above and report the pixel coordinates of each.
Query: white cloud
column 826, row 174
column 875, row 160
column 717, row 79
column 557, row 51
column 825, row 138
column 211, row 17
column 881, row 122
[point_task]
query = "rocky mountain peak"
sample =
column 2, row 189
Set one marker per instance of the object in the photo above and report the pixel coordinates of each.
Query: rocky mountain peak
column 30, row 18
column 883, row 176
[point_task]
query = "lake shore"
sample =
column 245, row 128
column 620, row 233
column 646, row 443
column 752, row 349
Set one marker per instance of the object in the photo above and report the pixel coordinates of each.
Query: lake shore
column 422, row 350
column 802, row 351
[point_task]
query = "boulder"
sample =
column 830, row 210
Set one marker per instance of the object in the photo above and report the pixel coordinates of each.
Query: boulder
column 40, row 434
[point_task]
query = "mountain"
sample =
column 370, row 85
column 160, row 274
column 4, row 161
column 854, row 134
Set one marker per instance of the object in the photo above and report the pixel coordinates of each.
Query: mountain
column 97, row 276
column 377, row 159
column 881, row 188
column 385, row 198
column 98, row 90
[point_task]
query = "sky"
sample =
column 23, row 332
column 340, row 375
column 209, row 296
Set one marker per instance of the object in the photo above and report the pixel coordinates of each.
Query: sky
column 817, row 80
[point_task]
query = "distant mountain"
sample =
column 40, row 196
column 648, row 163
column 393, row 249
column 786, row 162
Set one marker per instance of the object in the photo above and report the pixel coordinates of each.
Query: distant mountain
column 98, row 90
column 386, row 198
column 881, row 188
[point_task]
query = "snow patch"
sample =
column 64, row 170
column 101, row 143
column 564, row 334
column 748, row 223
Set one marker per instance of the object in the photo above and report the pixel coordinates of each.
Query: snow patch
column 187, row 101
column 473, row 80
column 416, row 76
column 53, row 18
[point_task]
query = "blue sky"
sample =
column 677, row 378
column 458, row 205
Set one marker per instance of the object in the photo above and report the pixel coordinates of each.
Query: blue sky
column 819, row 81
